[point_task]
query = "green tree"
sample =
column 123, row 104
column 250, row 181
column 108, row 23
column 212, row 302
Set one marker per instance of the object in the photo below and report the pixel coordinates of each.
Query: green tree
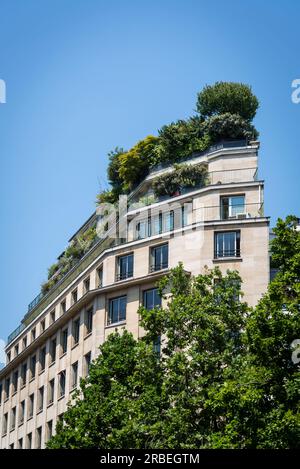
column 223, row 97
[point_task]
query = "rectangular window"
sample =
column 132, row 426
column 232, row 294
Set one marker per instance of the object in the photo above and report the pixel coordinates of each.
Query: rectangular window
column 74, row 380
column 22, row 412
column 61, row 384
column 168, row 221
column 49, row 429
column 232, row 206
column 51, row 391
column 7, row 387
column 24, row 341
column 4, row 423
column 76, row 331
column 23, row 374
column 227, row 244
column 143, row 229
column 43, row 326
column 38, row 442
column 100, row 277
column 159, row 257
column 117, row 310
column 13, row 419
column 88, row 319
column 185, row 209
column 87, row 363
column 20, row 443
column 1, row 389
column 74, row 296
column 32, row 366
column 15, row 381
column 29, row 441
column 40, row 398
column 125, row 267
column 33, row 334
column 42, row 359
column 30, row 405
column 16, row 350
column 64, row 341
column 151, row 298
column 52, row 317
column 86, row 285
column 63, row 307
column 52, row 350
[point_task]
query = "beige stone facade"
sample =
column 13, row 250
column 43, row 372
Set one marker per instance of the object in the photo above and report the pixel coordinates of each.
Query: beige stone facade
column 220, row 224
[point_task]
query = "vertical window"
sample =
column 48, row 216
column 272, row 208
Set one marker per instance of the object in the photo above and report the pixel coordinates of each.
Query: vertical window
column 6, row 387
column 40, row 398
column 16, row 350
column 86, row 285
column 52, row 317
column 74, row 296
column 42, row 359
column 100, row 277
column 38, row 443
column 74, row 375
column 227, row 244
column 32, row 366
column 168, row 221
column 22, row 412
column 23, row 374
column 143, row 229
column 8, row 357
column 20, row 443
column 157, row 224
column 232, row 206
column 15, row 381
column 87, row 363
column 159, row 257
column 13, row 418
column 49, row 429
column 117, row 310
column 52, row 350
column 33, row 334
column 24, row 342
column 88, row 321
column 125, row 267
column 184, row 213
column 63, row 307
column 29, row 441
column 30, row 405
column 43, row 326
column 61, row 383
column 4, row 423
column 1, row 388
column 76, row 331
column 51, row 391
column 64, row 341
column 151, row 298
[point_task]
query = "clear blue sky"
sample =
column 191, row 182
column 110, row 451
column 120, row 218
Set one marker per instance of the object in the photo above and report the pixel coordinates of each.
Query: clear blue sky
column 84, row 76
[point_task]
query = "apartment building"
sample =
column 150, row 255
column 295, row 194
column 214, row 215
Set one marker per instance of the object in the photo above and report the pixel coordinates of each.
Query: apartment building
column 220, row 223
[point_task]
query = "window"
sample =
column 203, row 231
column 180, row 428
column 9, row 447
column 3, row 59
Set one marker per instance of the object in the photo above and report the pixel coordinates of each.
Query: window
column 23, row 374
column 6, row 387
column 63, row 307
column 12, row 446
column 151, row 298
column 29, row 441
column 38, row 443
column 64, row 341
column 43, row 326
column 8, row 357
column 52, row 350
column 100, row 276
column 33, row 334
column 49, row 429
column 22, row 412
column 74, row 295
column 74, row 375
column 143, row 229
column 159, row 257
column 20, row 443
column 1, row 387
column 42, row 359
column 76, row 331
column 16, row 350
column 15, row 381
column 30, row 405
column 88, row 320
column 227, row 244
column 24, row 342
column 185, row 210
column 32, row 366
column 125, row 267
column 4, row 423
column 61, row 384
column 87, row 363
column 51, row 392
column 40, row 398
column 86, row 285
column 117, row 310
column 168, row 221
column 231, row 206
column 52, row 317
column 13, row 419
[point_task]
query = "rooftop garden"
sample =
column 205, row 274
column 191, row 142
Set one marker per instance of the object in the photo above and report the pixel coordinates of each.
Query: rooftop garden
column 224, row 110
